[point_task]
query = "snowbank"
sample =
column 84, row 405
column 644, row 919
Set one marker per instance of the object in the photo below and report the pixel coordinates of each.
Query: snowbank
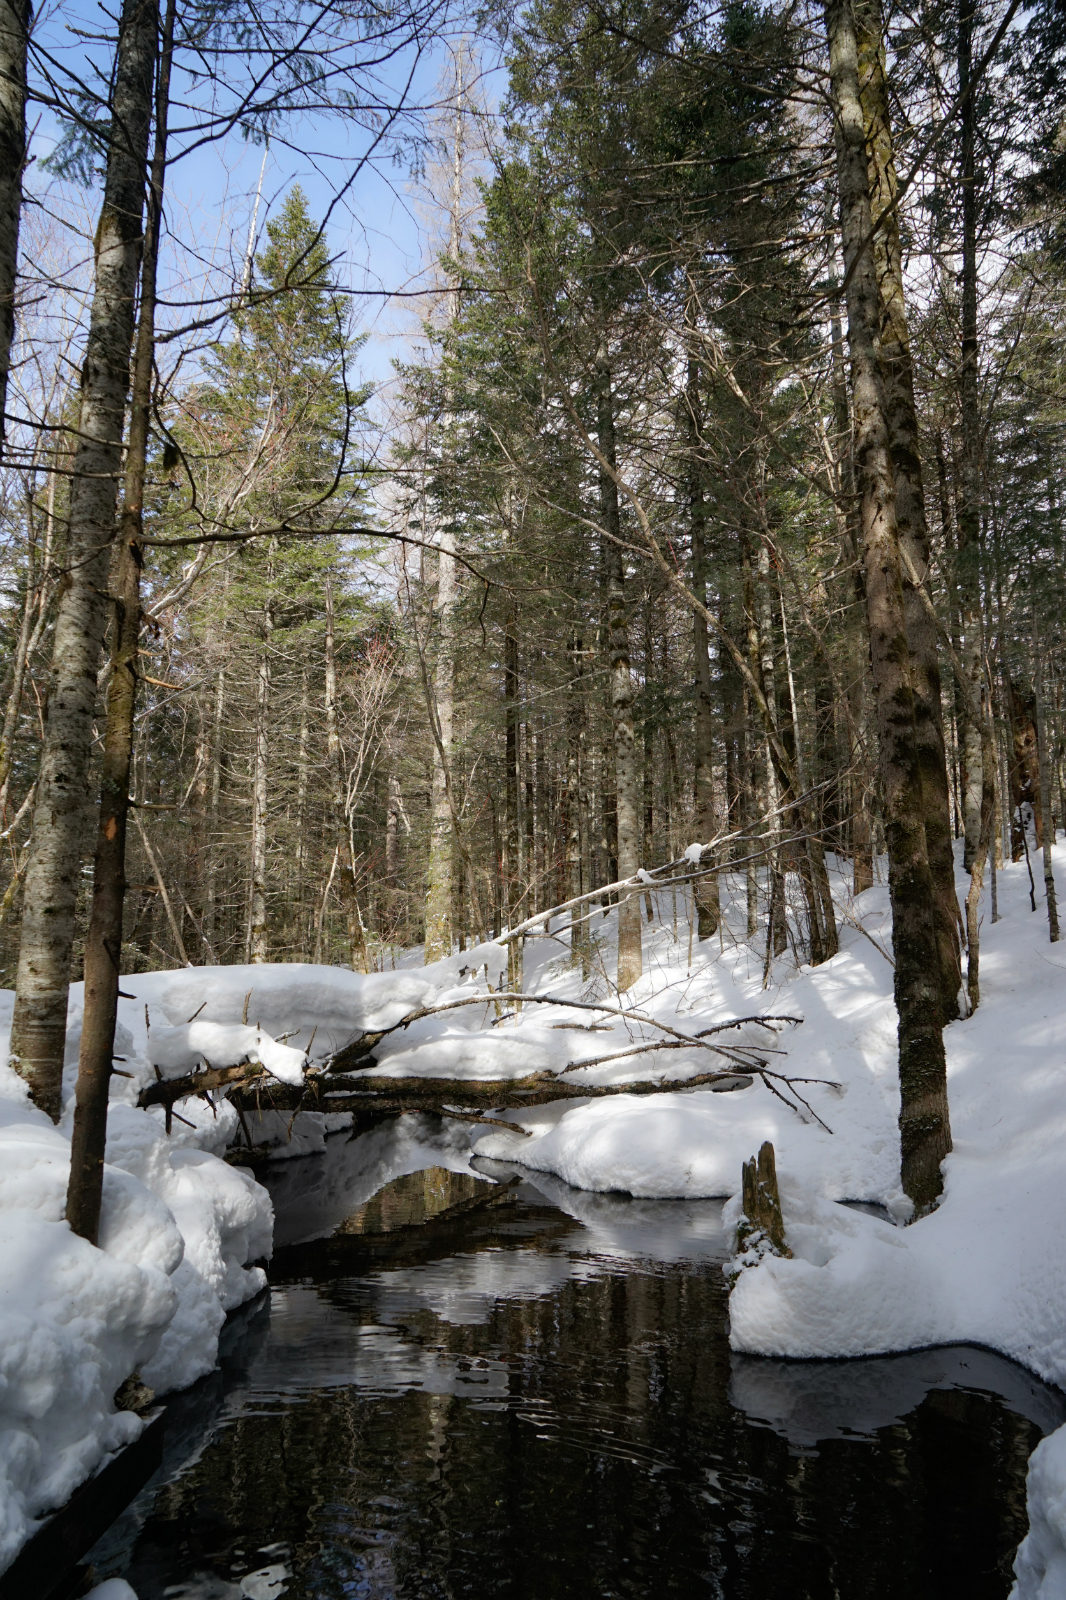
column 1040, row 1565
column 178, row 1227
column 989, row 1266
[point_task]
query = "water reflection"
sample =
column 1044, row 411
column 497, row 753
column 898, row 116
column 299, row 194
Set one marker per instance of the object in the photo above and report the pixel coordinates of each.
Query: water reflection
column 537, row 1399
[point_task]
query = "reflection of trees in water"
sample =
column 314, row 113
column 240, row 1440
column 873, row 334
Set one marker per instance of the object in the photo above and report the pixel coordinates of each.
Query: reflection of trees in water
column 614, row 1465
column 413, row 1199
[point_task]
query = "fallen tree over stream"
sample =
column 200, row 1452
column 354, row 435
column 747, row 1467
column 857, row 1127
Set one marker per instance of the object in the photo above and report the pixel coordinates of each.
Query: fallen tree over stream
column 350, row 1081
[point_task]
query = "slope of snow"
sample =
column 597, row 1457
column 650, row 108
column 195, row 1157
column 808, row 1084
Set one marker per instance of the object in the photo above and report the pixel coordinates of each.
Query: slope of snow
column 989, row 1266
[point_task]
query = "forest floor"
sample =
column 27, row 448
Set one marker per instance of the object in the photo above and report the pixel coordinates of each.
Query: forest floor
column 181, row 1225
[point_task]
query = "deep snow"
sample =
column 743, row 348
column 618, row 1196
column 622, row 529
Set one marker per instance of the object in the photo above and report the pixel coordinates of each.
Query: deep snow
column 181, row 1227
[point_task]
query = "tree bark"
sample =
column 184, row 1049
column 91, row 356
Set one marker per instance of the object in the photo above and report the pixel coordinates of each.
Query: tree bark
column 969, row 497
column 627, row 778
column 708, row 903
column 335, row 762
column 973, row 897
column 213, row 795
column 513, row 776
column 257, row 917
column 901, row 417
column 15, row 19
column 300, row 864
column 575, row 853
column 103, row 943
column 925, row 1135
column 1024, row 767
column 762, row 639
column 1043, row 737
column 38, row 1028
column 438, row 939
column 394, row 808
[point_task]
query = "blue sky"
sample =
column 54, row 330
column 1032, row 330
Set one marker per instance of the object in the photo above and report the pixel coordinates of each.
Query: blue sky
column 375, row 229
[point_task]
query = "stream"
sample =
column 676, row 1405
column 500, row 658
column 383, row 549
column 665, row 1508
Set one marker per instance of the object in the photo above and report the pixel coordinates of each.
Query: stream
column 451, row 1389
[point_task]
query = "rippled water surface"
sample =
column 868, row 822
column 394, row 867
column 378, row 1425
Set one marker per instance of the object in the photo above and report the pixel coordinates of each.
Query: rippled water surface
column 532, row 1395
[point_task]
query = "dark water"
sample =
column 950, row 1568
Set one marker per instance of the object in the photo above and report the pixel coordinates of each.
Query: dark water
column 536, row 1399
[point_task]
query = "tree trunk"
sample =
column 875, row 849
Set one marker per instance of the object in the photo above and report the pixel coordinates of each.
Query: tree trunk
column 103, row 943
column 1043, row 737
column 15, row 18
column 824, row 942
column 627, row 777
column 335, row 762
column 438, row 940
column 31, row 626
column 925, row 1134
column 575, row 852
column 763, row 665
column 901, row 419
column 858, row 642
column 213, row 792
column 513, row 776
column 394, row 806
column 969, row 498
column 38, row 1027
column 257, row 919
column 973, row 897
column 1024, row 768
column 300, row 864
column 708, row 904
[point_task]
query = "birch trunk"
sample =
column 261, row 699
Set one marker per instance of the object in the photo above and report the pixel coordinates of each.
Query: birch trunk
column 103, row 942
column 38, row 1027
column 31, row 626
column 627, row 778
column 925, row 1136
column 901, row 418
column 15, row 19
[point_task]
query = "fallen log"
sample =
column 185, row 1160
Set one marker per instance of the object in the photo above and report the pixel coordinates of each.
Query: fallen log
column 328, row 1088
column 539, row 1088
column 460, row 1099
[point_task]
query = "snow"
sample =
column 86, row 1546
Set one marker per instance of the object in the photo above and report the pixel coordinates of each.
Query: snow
column 178, row 1229
column 1040, row 1565
column 182, row 1229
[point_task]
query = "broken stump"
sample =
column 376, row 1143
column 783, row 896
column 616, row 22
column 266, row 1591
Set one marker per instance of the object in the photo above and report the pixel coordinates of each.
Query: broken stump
column 761, row 1226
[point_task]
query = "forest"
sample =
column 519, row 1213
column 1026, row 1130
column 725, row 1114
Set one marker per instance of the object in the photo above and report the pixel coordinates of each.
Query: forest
column 705, row 418
column 690, row 568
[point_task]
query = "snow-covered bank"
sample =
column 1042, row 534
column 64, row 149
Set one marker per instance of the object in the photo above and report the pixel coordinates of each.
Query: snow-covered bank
column 181, row 1227
column 178, row 1229
column 989, row 1266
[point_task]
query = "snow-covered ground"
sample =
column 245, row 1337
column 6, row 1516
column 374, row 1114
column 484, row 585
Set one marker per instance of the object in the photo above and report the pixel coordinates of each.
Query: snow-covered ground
column 181, row 1227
